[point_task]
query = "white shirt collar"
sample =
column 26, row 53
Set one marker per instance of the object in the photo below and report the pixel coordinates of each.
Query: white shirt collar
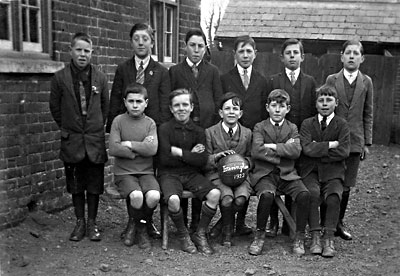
column 146, row 61
column 241, row 70
column 350, row 76
column 328, row 119
column 226, row 128
column 191, row 63
column 296, row 73
column 273, row 123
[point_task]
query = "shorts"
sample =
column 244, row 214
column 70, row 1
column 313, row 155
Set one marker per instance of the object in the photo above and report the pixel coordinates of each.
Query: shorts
column 352, row 164
column 174, row 184
column 84, row 176
column 243, row 189
column 128, row 183
column 273, row 183
column 324, row 189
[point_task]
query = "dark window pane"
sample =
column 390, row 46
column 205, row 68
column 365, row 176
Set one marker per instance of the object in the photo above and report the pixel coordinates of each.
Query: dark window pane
column 4, row 34
column 25, row 34
column 33, row 25
column 33, row 3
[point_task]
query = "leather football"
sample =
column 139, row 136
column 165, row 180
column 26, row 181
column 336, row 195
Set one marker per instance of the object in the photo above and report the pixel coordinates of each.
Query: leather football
column 233, row 170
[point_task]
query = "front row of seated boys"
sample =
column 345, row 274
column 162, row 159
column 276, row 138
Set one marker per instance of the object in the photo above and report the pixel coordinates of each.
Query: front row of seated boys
column 185, row 151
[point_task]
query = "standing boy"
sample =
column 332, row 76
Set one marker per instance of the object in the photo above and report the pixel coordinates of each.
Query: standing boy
column 182, row 155
column 201, row 78
column 355, row 95
column 79, row 106
column 133, row 142
column 301, row 89
column 275, row 148
column 224, row 138
column 325, row 139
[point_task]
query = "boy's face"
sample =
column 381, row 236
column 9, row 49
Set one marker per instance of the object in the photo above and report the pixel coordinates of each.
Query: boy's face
column 181, row 107
column 142, row 43
column 292, row 56
column 352, row 58
column 277, row 111
column 81, row 53
column 195, row 48
column 230, row 113
column 245, row 55
column 135, row 104
column 326, row 105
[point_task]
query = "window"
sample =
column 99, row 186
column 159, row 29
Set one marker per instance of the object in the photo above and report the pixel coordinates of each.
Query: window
column 25, row 26
column 163, row 19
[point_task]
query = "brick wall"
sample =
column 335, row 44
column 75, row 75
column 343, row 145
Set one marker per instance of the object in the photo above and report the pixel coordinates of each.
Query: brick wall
column 189, row 17
column 31, row 174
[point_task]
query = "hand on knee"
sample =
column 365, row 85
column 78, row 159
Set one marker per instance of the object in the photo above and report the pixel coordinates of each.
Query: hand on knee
column 174, row 204
column 136, row 198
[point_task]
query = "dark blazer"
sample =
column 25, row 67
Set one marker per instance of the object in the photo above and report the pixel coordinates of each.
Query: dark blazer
column 316, row 153
column 266, row 160
column 307, row 91
column 215, row 143
column 207, row 88
column 77, row 138
column 358, row 113
column 254, row 98
column 157, row 83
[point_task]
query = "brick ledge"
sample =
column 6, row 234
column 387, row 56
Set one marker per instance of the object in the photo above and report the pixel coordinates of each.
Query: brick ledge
column 27, row 65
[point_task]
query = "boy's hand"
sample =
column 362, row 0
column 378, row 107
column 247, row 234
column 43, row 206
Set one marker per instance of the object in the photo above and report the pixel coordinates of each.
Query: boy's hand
column 175, row 151
column 333, row 144
column 222, row 154
column 149, row 139
column 199, row 148
column 127, row 144
column 272, row 146
column 364, row 153
column 291, row 140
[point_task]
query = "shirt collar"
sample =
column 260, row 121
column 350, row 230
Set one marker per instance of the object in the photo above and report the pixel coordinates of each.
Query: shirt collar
column 296, row 73
column 226, row 128
column 146, row 61
column 273, row 123
column 241, row 70
column 189, row 125
column 328, row 119
column 190, row 63
column 347, row 75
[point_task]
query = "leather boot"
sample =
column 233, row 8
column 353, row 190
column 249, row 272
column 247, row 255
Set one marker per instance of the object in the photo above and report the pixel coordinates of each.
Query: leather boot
column 228, row 217
column 340, row 229
column 143, row 237
column 329, row 248
column 183, row 233
column 200, row 236
column 315, row 247
column 216, row 229
column 256, row 246
column 196, row 210
column 227, row 236
column 79, row 231
column 129, row 237
column 298, row 244
column 93, row 230
column 272, row 229
column 241, row 228
column 150, row 227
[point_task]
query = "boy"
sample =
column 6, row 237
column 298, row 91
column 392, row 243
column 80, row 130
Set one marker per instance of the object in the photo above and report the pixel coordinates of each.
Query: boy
column 79, row 105
column 251, row 86
column 181, row 157
column 142, row 69
column 275, row 148
column 133, row 142
column 325, row 139
column 301, row 89
column 201, row 78
column 355, row 96
column 228, row 137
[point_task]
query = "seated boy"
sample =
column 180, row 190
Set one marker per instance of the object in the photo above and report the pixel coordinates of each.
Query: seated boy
column 275, row 148
column 224, row 138
column 325, row 139
column 182, row 155
column 133, row 142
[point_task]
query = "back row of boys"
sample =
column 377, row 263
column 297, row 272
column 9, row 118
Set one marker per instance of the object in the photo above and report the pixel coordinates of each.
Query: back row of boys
column 141, row 83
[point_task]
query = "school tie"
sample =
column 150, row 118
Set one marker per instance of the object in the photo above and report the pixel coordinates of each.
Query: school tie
column 230, row 132
column 246, row 80
column 323, row 123
column 140, row 74
column 195, row 71
column 83, row 98
column 292, row 78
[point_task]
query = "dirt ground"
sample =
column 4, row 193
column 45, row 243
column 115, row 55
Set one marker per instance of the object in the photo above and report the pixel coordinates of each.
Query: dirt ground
column 40, row 245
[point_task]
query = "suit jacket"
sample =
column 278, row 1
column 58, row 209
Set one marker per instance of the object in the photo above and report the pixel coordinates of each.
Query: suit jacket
column 207, row 88
column 358, row 113
column 267, row 160
column 215, row 143
column 316, row 153
column 79, row 138
column 157, row 83
column 254, row 98
column 307, row 94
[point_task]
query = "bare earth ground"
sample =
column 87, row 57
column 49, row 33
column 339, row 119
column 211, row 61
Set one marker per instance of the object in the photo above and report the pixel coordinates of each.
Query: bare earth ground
column 40, row 246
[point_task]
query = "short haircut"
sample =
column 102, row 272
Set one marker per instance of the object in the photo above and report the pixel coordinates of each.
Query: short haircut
column 142, row 26
column 246, row 39
column 178, row 92
column 81, row 36
column 136, row 88
column 326, row 90
column 236, row 100
column 196, row 32
column 292, row 41
column 278, row 95
column 353, row 42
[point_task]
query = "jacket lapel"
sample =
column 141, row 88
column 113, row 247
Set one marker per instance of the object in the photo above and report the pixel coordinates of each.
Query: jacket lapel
column 217, row 132
column 340, row 88
column 317, row 127
column 237, row 81
column 282, row 80
column 70, row 86
column 359, row 88
column 302, row 86
column 284, row 133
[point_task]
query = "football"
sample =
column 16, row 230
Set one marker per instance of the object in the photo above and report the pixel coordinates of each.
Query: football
column 233, row 170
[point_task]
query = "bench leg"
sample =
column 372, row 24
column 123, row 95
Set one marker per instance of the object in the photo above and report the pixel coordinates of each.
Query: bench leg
column 164, row 225
column 286, row 215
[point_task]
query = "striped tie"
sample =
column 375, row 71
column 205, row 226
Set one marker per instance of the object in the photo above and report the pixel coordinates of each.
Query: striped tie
column 292, row 78
column 140, row 74
column 83, row 98
column 246, row 80
column 195, row 71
